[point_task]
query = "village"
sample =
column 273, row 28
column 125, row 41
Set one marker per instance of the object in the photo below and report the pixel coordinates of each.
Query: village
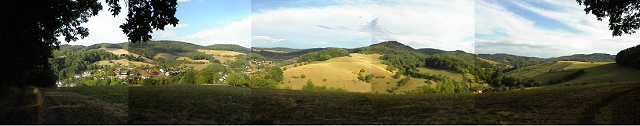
column 124, row 75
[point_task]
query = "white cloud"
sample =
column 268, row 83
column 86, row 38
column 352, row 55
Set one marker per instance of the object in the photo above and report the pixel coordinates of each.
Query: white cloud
column 265, row 39
column 435, row 24
column 237, row 32
column 518, row 35
column 103, row 28
column 426, row 24
column 300, row 27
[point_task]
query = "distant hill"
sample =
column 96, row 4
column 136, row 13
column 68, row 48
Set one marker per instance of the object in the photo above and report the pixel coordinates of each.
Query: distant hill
column 595, row 57
column 521, row 61
column 284, row 56
column 431, row 51
column 513, row 60
column 276, row 49
column 595, row 72
column 228, row 47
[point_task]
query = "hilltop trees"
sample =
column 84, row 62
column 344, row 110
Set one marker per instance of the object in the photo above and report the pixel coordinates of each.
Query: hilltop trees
column 31, row 28
column 323, row 55
column 629, row 57
column 624, row 15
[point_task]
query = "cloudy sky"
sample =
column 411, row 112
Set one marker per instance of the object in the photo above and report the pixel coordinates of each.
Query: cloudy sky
column 202, row 22
column 438, row 24
column 543, row 28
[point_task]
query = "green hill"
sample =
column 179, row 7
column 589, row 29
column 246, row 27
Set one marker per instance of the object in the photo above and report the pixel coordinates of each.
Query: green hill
column 595, row 57
column 595, row 72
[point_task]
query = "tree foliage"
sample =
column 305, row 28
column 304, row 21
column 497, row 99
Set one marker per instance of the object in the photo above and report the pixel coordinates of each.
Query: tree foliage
column 31, row 28
column 629, row 57
column 624, row 15
column 323, row 55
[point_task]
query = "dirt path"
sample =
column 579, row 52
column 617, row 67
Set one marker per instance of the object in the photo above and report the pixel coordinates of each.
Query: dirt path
column 52, row 115
column 588, row 116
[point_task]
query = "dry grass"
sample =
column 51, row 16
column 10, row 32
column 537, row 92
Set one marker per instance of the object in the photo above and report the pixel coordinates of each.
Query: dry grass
column 123, row 62
column 221, row 55
column 433, row 71
column 166, row 56
column 340, row 72
column 122, row 51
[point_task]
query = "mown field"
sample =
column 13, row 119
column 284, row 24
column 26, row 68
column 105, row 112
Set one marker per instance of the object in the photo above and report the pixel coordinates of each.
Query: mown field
column 611, row 103
column 340, row 72
column 595, row 72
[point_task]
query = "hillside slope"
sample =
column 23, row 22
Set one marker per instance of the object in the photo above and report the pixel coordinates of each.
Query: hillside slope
column 595, row 72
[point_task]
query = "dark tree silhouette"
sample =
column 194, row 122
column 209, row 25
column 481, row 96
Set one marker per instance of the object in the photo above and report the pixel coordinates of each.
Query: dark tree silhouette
column 624, row 15
column 30, row 29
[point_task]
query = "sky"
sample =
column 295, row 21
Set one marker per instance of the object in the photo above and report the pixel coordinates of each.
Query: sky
column 540, row 28
column 202, row 22
column 543, row 28
column 441, row 24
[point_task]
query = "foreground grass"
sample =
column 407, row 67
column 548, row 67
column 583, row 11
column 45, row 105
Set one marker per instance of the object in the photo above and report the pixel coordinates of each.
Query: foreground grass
column 188, row 104
column 613, row 103
column 86, row 105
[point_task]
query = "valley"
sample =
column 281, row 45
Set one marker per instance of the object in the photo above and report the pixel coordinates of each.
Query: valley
column 385, row 83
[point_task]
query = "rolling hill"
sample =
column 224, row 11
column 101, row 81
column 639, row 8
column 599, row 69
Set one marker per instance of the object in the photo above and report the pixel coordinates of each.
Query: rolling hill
column 595, row 72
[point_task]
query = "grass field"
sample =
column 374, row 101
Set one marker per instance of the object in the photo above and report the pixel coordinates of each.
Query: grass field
column 124, row 62
column 340, row 72
column 222, row 55
column 596, row 72
column 122, row 51
column 166, row 56
column 433, row 71
column 611, row 103
column 189, row 104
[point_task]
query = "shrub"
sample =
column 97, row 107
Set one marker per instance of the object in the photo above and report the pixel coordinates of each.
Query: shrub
column 302, row 76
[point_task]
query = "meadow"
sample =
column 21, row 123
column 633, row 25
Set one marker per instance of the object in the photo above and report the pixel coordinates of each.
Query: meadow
column 610, row 103
column 595, row 72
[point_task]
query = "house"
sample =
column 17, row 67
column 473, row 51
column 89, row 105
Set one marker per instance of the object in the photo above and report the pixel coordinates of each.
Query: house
column 117, row 72
column 146, row 76
column 167, row 74
column 124, row 72
column 86, row 73
column 161, row 70
column 59, row 84
column 77, row 76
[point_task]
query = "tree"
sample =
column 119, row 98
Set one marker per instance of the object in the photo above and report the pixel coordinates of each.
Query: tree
column 188, row 77
column 624, row 15
column 30, row 29
column 238, row 79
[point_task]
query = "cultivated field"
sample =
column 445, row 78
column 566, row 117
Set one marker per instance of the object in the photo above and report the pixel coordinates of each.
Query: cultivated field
column 166, row 56
column 340, row 72
column 222, row 55
column 122, row 51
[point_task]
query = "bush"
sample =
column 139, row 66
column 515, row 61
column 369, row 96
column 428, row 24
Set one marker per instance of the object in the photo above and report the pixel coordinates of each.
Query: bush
column 302, row 76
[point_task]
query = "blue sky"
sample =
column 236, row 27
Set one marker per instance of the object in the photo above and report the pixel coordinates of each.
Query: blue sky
column 203, row 22
column 542, row 28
